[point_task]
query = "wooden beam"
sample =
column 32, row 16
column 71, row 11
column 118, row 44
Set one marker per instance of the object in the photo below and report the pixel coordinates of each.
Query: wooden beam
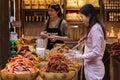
column 4, row 33
column 17, row 17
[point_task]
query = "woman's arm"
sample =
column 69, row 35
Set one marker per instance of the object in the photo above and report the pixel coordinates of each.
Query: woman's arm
column 44, row 34
column 64, row 31
column 62, row 38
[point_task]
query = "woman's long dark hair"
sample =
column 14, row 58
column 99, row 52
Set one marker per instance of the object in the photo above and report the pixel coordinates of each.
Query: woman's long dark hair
column 57, row 8
column 89, row 11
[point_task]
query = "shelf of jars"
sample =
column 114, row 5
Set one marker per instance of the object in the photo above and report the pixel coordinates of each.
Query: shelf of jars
column 112, row 10
column 113, row 16
column 112, row 5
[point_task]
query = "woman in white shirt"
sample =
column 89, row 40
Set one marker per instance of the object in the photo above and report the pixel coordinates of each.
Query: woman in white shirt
column 94, row 44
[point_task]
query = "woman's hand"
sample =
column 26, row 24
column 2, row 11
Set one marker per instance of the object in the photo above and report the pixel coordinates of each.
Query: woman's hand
column 44, row 34
column 82, row 40
column 53, row 38
column 76, row 57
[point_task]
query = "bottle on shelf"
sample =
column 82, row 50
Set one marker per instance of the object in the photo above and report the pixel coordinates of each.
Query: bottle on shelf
column 37, row 18
column 40, row 18
column 110, row 18
column 26, row 18
column 29, row 18
column 105, row 5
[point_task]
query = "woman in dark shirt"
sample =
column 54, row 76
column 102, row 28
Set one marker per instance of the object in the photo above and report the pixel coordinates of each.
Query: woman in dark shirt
column 56, row 26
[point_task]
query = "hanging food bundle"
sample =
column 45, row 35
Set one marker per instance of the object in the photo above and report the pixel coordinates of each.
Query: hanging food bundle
column 19, row 68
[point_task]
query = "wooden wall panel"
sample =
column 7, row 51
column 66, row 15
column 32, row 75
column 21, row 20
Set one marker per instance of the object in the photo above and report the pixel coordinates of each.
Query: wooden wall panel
column 4, row 32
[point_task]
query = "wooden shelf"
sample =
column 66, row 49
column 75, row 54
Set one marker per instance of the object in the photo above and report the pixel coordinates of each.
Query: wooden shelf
column 72, row 9
column 73, row 22
column 35, row 9
column 112, row 9
column 97, row 8
column 114, row 13
column 112, row 21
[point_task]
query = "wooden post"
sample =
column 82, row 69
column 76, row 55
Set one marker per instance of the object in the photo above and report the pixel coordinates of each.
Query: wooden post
column 101, row 9
column 4, row 33
column 17, row 17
